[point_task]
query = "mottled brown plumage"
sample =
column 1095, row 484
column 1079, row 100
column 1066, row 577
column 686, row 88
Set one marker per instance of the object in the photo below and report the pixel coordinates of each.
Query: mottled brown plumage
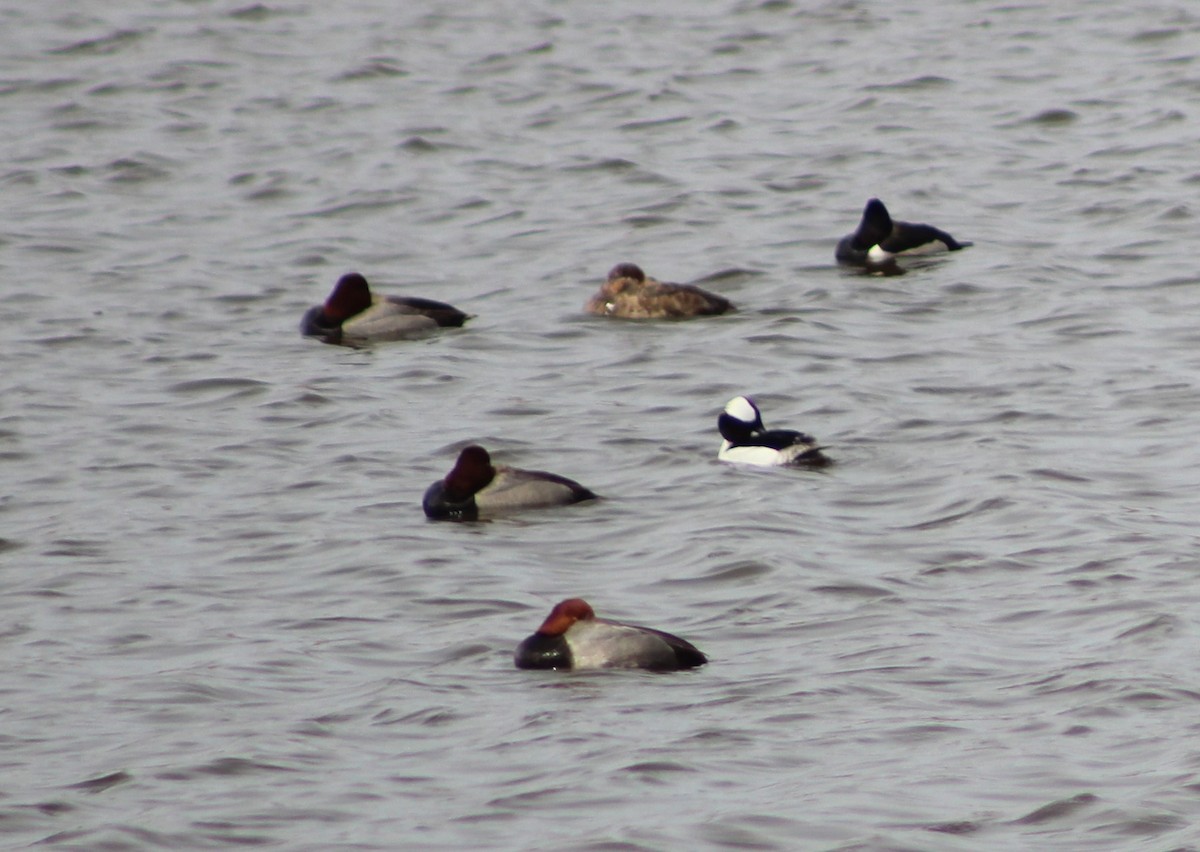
column 629, row 294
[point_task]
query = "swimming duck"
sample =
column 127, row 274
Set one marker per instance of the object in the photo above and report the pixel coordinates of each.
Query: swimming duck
column 353, row 315
column 573, row 638
column 476, row 488
column 629, row 294
column 747, row 441
column 879, row 239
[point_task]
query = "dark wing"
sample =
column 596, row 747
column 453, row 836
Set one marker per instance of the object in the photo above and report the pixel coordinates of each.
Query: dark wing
column 687, row 655
column 907, row 236
column 812, row 458
column 780, row 439
column 688, row 300
column 578, row 492
column 443, row 314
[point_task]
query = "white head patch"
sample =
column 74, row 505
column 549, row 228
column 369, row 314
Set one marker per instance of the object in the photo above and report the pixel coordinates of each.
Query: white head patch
column 743, row 409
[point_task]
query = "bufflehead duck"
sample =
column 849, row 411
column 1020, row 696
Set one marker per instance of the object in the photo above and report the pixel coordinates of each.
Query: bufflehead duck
column 747, row 441
column 476, row 488
column 573, row 638
column 353, row 315
column 629, row 294
column 879, row 239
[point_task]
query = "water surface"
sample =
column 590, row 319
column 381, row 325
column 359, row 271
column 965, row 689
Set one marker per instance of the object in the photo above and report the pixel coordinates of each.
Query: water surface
column 226, row 621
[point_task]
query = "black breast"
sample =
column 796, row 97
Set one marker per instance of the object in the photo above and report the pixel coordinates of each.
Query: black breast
column 439, row 508
column 541, row 651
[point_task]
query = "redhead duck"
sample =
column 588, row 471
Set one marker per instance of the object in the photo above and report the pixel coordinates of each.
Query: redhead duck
column 747, row 441
column 476, row 488
column 879, row 239
column 629, row 294
column 352, row 315
column 573, row 638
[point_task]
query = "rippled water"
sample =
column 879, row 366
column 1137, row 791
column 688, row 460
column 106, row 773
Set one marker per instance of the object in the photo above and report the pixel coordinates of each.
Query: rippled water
column 225, row 620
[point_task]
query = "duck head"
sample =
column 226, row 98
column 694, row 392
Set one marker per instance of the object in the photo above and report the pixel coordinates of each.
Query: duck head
column 453, row 498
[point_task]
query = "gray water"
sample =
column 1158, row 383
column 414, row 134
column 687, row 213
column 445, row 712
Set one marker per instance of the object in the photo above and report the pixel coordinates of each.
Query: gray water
column 225, row 620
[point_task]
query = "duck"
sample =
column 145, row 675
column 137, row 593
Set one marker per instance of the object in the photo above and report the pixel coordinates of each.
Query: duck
column 879, row 239
column 354, row 315
column 629, row 294
column 476, row 489
column 572, row 638
column 747, row 441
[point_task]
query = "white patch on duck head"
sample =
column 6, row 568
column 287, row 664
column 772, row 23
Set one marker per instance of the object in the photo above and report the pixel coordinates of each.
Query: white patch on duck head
column 741, row 408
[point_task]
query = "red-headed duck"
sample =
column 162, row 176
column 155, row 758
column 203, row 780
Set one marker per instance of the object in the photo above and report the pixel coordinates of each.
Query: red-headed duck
column 879, row 239
column 629, row 294
column 353, row 315
column 747, row 441
column 478, row 489
column 573, row 638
